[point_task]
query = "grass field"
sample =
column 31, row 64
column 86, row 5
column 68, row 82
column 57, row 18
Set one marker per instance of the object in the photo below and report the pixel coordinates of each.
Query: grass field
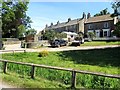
column 98, row 60
column 26, row 82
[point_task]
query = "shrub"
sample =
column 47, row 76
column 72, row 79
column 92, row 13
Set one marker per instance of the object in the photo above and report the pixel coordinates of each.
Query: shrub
column 43, row 53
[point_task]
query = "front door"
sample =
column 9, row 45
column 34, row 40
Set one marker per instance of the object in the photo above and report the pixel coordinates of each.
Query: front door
column 101, row 33
column 97, row 32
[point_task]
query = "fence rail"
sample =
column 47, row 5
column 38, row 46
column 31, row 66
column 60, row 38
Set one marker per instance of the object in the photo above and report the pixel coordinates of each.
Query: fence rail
column 73, row 80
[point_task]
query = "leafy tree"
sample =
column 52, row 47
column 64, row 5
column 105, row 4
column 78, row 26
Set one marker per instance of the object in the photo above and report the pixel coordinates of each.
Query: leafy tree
column 116, row 6
column 14, row 18
column 91, row 35
column 60, row 35
column 30, row 32
column 116, row 32
column 103, row 12
column 49, row 35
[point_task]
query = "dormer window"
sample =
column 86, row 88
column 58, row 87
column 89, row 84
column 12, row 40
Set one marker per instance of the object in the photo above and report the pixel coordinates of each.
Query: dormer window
column 106, row 25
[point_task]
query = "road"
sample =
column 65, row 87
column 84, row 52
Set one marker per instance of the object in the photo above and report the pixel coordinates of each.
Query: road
column 64, row 48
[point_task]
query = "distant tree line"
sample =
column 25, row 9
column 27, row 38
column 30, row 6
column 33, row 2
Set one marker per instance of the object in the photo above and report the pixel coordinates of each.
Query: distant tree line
column 116, row 6
column 102, row 12
column 51, row 35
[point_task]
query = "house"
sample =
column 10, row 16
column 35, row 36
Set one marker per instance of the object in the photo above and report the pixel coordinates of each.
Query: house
column 102, row 26
column 76, row 25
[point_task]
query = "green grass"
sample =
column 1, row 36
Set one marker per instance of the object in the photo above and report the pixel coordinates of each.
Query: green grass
column 17, row 80
column 97, row 60
column 100, row 43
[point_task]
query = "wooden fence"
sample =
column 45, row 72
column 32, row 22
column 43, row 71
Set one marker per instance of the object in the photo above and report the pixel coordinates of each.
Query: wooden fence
column 73, row 72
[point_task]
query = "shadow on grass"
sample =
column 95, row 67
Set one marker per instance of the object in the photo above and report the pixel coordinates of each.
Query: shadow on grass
column 101, row 57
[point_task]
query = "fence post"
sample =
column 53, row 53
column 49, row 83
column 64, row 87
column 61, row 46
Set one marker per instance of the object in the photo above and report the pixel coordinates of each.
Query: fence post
column 4, row 67
column 13, row 52
column 32, row 71
column 24, row 51
column 73, row 81
column 25, row 45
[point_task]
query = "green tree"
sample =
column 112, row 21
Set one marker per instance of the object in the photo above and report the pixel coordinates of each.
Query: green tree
column 60, row 35
column 103, row 12
column 30, row 32
column 49, row 35
column 13, row 16
column 116, row 6
column 91, row 35
column 116, row 32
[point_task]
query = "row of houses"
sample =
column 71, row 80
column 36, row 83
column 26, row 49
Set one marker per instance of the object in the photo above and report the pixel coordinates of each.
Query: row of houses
column 102, row 26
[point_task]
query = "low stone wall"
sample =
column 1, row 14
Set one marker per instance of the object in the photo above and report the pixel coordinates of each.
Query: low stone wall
column 107, row 39
column 34, row 44
column 11, row 42
column 7, row 41
column 103, row 39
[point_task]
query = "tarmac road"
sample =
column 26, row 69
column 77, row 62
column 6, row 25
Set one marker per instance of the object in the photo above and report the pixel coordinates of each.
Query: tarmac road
column 64, row 48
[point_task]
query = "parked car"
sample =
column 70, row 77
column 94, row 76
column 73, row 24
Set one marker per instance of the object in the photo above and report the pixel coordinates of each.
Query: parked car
column 58, row 43
column 75, row 43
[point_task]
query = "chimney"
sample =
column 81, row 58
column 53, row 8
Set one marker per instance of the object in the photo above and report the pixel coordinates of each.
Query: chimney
column 51, row 24
column 84, row 15
column 88, row 15
column 58, row 22
column 69, row 19
column 46, row 26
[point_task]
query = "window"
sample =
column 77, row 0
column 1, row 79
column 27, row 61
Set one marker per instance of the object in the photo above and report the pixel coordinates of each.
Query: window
column 74, row 26
column 90, row 26
column 106, row 25
column 105, row 33
column 71, row 27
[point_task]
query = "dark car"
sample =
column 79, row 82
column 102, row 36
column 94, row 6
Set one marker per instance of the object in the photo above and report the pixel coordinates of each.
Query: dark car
column 75, row 43
column 58, row 43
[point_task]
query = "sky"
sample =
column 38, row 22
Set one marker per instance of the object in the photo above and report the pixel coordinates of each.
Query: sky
column 43, row 13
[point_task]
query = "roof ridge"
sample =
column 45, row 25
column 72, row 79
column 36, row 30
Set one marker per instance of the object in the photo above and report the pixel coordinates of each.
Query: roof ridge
column 100, row 16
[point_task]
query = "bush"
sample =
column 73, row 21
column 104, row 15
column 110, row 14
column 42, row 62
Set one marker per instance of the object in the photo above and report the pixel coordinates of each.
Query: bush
column 43, row 53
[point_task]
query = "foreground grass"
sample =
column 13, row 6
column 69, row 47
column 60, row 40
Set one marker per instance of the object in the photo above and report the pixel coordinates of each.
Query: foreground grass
column 98, row 60
column 18, row 81
column 100, row 43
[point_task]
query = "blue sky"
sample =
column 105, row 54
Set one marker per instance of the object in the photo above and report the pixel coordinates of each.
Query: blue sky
column 43, row 13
